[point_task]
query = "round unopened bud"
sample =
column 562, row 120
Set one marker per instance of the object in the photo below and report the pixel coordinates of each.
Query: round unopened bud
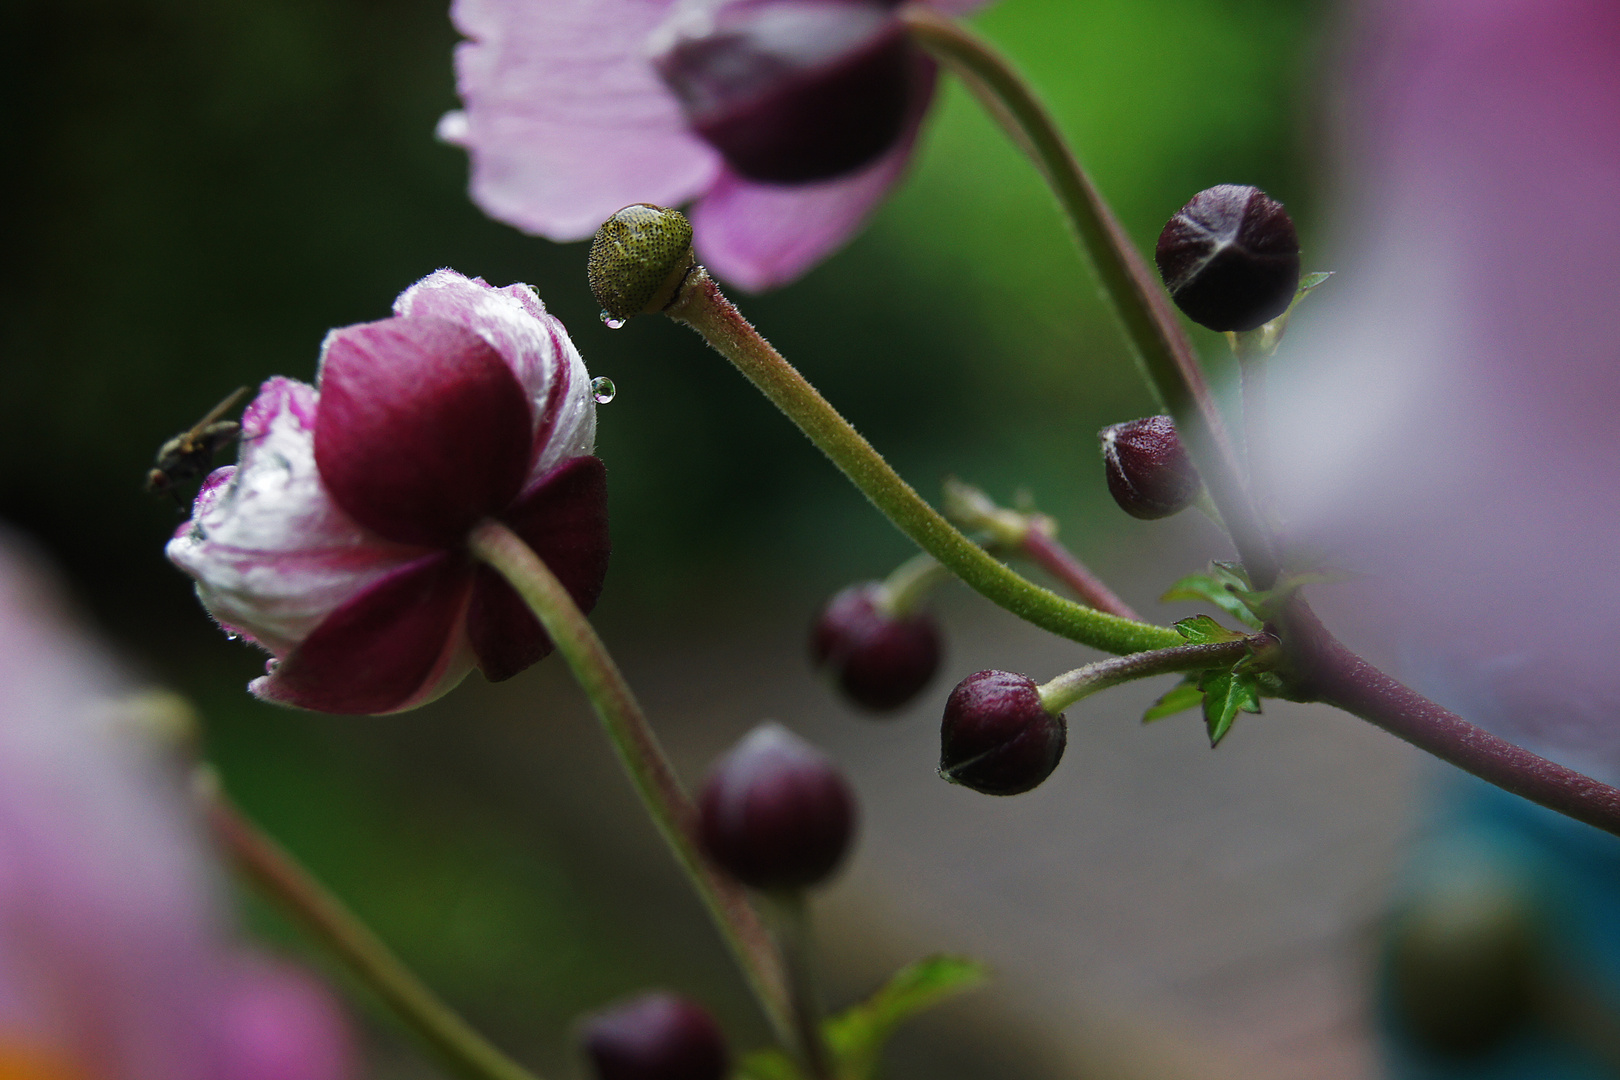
column 879, row 659
column 794, row 91
column 997, row 738
column 638, row 259
column 1150, row 474
column 656, row 1036
column 775, row 813
column 1464, row 964
column 1230, row 258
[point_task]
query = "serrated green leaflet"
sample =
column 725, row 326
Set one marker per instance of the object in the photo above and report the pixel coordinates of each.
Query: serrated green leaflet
column 1226, row 694
column 857, row 1035
column 1183, row 697
column 1214, row 590
column 1203, row 630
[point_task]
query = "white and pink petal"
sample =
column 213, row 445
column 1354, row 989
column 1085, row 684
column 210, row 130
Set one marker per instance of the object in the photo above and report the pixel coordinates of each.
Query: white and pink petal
column 272, row 554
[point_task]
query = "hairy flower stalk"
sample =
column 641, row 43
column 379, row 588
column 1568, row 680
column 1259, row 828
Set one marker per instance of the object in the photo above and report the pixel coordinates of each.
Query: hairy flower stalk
column 643, row 758
column 699, row 303
column 273, row 870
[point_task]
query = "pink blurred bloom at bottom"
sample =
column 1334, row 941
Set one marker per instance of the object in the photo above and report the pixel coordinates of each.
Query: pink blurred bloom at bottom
column 567, row 118
column 114, row 963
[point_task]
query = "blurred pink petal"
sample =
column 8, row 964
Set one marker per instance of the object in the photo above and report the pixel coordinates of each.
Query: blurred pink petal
column 760, row 236
column 1455, row 399
column 279, row 1023
column 565, row 120
column 113, row 961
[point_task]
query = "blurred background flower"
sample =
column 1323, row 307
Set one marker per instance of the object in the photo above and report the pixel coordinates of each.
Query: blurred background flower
column 1455, row 414
column 786, row 120
column 115, row 961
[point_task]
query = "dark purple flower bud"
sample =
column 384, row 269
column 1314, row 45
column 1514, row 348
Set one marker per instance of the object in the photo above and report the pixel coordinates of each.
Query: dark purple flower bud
column 997, row 737
column 1149, row 472
column 656, row 1036
column 880, row 660
column 775, row 812
column 794, row 91
column 1230, row 258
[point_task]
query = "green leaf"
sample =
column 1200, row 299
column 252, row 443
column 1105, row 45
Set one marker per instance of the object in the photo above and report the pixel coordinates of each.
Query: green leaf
column 768, row 1064
column 1310, row 281
column 1185, row 696
column 1226, row 694
column 858, row 1034
column 1216, row 591
column 1203, row 630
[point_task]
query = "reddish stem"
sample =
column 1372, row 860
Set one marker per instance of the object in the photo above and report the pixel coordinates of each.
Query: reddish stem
column 1060, row 562
column 1324, row 670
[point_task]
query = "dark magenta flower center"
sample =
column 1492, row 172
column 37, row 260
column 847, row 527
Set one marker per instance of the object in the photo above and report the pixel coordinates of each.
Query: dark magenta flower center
column 796, row 91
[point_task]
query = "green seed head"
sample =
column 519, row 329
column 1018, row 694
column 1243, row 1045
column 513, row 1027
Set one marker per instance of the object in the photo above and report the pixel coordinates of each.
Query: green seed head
column 639, row 258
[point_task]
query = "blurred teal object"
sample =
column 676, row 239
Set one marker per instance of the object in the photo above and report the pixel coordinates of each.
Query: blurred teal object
column 1502, row 960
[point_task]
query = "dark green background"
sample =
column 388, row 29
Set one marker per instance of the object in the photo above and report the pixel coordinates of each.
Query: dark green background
column 196, row 191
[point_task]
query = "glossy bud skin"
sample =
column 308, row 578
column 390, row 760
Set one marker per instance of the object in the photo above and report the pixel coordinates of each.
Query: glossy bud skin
column 1150, row 474
column 775, row 813
column 656, row 1036
column 795, row 91
column 1463, row 968
column 996, row 737
column 638, row 259
column 1230, row 258
column 880, row 661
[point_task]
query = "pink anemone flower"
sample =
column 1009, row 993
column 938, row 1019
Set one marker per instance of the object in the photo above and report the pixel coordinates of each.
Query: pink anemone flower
column 338, row 542
column 114, row 960
column 784, row 122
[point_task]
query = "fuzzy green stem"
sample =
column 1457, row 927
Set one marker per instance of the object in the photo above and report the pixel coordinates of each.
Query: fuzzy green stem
column 643, row 759
column 793, row 929
column 1159, row 343
column 1071, row 686
column 910, row 582
column 701, row 305
column 268, row 866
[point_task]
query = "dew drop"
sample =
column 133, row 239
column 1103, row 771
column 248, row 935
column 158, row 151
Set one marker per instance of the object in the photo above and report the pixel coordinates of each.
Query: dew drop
column 602, row 388
column 610, row 322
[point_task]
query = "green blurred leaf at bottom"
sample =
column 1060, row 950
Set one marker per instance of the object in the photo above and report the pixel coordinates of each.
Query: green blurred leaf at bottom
column 857, row 1035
